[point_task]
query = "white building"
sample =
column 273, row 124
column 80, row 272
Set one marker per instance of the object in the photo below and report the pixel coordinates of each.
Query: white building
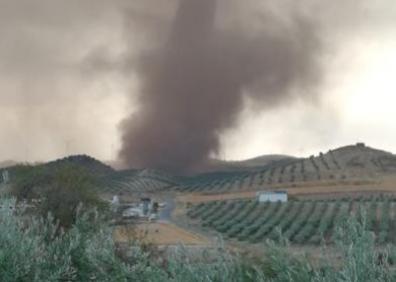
column 272, row 196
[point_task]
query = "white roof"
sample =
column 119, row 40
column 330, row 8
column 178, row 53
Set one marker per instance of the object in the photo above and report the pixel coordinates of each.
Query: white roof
column 271, row 192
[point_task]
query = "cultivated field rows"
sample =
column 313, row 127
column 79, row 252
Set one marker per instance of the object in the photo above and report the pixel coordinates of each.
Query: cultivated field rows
column 343, row 164
column 300, row 222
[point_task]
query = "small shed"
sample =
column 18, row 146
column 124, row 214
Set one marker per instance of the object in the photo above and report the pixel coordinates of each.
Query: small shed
column 272, row 196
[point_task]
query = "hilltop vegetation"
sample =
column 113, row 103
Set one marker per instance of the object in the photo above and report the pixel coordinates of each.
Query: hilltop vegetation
column 8, row 163
column 350, row 163
column 85, row 162
column 356, row 163
column 347, row 164
column 250, row 164
column 135, row 181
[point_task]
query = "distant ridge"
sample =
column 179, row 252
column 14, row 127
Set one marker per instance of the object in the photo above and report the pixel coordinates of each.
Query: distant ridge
column 353, row 163
column 8, row 163
column 349, row 163
column 90, row 164
column 249, row 164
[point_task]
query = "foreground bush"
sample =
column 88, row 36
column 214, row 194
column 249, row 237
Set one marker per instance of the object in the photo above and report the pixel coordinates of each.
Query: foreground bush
column 357, row 259
column 32, row 249
column 60, row 190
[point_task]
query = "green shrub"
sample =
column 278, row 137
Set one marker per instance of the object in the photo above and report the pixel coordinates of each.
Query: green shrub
column 35, row 251
column 59, row 191
column 32, row 250
column 358, row 259
column 70, row 188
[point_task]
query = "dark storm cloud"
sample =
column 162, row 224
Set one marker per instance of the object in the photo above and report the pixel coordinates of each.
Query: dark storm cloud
column 193, row 86
column 195, row 66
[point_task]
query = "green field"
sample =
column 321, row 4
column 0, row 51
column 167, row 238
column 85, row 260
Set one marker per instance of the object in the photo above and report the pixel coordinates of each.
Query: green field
column 301, row 222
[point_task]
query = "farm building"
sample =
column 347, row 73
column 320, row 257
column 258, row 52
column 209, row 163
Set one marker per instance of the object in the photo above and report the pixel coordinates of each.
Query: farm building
column 272, row 196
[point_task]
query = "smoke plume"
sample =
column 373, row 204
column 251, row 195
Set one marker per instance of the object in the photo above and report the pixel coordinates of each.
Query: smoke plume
column 194, row 85
column 70, row 71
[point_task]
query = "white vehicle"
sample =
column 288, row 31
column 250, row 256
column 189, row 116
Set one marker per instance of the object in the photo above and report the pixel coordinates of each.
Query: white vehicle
column 162, row 205
column 132, row 212
column 272, row 196
column 153, row 217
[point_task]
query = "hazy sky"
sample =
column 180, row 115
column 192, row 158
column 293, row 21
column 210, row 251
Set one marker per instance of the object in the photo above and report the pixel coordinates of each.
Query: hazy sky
column 62, row 91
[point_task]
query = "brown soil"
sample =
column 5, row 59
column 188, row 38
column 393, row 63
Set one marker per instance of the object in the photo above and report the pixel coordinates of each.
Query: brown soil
column 388, row 185
column 158, row 234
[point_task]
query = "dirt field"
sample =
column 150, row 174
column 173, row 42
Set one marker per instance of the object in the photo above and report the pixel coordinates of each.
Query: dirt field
column 159, row 234
column 387, row 185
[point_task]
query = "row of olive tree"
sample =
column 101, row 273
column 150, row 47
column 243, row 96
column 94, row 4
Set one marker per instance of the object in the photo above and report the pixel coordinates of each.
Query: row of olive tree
column 86, row 252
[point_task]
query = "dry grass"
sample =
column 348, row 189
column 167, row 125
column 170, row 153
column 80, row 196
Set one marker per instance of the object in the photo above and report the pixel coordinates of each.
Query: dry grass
column 158, row 234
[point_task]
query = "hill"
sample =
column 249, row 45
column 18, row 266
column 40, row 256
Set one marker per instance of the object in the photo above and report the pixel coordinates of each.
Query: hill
column 137, row 181
column 350, row 163
column 7, row 163
column 113, row 181
column 92, row 165
column 354, row 163
column 250, row 164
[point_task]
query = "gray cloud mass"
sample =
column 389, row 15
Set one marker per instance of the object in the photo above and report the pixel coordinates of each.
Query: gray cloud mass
column 68, row 68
